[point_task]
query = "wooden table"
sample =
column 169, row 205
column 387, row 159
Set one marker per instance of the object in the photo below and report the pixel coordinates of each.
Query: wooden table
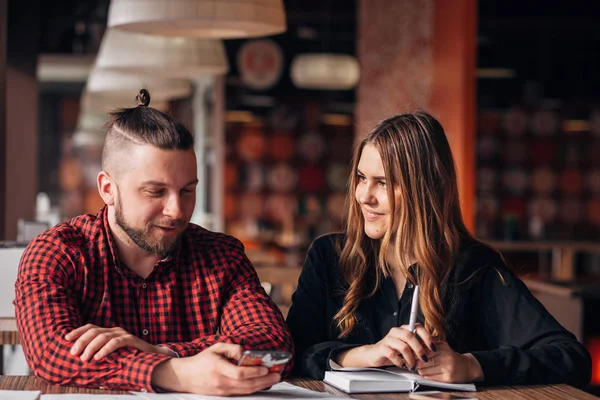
column 546, row 392
column 549, row 392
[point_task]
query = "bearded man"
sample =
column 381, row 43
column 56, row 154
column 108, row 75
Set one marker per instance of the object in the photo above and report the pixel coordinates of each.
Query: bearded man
column 137, row 297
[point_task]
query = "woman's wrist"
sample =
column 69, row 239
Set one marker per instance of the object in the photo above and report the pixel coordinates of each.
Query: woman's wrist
column 475, row 370
column 340, row 358
column 351, row 357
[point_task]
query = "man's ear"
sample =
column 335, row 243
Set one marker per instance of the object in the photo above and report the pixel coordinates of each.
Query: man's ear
column 106, row 188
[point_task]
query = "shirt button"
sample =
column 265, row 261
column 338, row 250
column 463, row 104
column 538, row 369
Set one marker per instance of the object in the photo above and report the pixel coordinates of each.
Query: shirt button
column 410, row 285
column 144, row 285
column 395, row 313
column 143, row 390
column 145, row 332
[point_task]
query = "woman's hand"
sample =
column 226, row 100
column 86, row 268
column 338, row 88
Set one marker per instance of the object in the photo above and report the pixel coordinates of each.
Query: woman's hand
column 450, row 366
column 399, row 347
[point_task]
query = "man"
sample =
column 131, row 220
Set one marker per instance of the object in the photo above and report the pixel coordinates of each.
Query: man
column 136, row 298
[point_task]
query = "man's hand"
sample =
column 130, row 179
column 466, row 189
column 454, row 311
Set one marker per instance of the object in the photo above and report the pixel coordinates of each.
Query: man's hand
column 94, row 341
column 211, row 372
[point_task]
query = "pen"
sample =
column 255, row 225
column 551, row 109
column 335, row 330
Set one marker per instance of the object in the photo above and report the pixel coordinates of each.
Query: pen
column 414, row 308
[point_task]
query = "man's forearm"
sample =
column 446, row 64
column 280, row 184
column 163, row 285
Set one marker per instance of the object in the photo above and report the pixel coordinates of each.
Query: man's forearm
column 251, row 337
column 193, row 347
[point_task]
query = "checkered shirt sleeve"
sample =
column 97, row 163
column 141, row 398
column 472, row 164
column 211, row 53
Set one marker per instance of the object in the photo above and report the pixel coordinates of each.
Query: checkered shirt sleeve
column 46, row 311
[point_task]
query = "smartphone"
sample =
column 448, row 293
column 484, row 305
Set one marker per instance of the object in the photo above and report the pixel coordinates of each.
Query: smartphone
column 274, row 360
column 435, row 395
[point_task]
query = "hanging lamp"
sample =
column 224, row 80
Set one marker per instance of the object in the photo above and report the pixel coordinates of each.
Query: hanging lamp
column 118, row 85
column 171, row 57
column 217, row 19
column 325, row 71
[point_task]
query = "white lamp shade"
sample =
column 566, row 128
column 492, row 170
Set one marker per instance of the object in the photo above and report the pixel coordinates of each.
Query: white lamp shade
column 104, row 103
column 121, row 85
column 217, row 19
column 170, row 57
column 325, row 71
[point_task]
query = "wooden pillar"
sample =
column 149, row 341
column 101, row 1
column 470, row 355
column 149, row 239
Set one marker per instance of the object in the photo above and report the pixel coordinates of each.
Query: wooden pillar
column 21, row 153
column 395, row 51
column 420, row 55
column 3, row 29
column 454, row 90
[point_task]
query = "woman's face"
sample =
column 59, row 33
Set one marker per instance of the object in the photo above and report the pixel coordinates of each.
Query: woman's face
column 371, row 193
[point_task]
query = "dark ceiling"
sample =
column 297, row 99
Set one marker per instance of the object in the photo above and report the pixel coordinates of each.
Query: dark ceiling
column 554, row 46
column 538, row 8
column 334, row 20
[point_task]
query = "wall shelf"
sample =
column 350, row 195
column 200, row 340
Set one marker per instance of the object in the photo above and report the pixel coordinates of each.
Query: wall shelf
column 563, row 254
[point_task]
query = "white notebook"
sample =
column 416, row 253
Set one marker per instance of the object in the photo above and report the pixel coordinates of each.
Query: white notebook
column 282, row 390
column 377, row 380
column 19, row 394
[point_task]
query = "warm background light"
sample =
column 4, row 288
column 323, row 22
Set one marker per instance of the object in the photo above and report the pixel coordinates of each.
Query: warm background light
column 325, row 71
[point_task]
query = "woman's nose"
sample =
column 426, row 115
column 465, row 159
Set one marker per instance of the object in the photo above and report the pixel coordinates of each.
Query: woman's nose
column 366, row 195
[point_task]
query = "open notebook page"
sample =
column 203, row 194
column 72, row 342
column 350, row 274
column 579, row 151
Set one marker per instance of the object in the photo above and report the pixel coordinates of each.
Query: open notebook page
column 281, row 390
column 467, row 387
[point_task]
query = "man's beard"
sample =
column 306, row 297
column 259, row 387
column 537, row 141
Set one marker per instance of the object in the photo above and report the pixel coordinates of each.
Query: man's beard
column 141, row 237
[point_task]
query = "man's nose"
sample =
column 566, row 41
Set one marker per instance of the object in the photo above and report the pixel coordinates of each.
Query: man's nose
column 173, row 208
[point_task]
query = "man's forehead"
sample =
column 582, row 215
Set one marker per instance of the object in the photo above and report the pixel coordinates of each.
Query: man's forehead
column 151, row 155
column 165, row 183
column 163, row 180
column 153, row 166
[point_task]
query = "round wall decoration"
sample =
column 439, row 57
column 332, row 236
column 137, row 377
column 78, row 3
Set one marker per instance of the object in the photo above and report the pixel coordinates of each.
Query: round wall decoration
column 260, row 63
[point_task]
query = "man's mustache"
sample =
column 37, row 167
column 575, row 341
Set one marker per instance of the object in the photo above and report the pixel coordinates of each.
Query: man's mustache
column 172, row 223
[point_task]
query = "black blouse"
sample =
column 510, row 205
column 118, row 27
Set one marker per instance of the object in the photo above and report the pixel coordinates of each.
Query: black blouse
column 509, row 332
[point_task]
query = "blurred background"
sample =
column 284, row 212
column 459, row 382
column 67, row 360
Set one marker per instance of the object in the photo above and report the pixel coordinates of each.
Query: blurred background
column 277, row 92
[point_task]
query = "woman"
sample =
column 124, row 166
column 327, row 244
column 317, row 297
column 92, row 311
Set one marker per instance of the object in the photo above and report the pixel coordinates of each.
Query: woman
column 477, row 321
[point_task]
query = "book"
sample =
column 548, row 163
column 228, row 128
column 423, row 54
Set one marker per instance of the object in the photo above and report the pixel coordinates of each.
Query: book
column 380, row 380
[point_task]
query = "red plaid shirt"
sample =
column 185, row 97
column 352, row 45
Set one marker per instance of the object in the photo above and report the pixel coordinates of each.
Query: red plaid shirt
column 206, row 292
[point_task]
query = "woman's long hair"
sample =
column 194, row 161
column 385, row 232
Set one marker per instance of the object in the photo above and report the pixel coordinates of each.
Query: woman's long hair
column 427, row 223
